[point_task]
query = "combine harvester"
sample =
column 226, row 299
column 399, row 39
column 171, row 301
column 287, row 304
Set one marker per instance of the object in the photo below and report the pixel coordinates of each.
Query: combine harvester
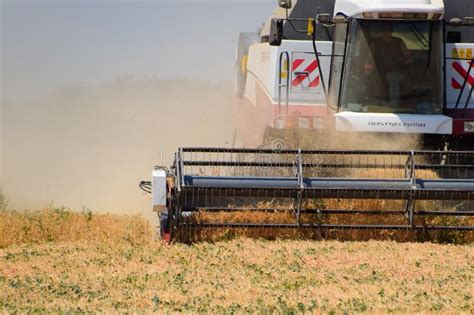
column 387, row 67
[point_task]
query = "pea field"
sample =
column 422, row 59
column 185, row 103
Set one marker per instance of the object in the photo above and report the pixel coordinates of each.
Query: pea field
column 57, row 260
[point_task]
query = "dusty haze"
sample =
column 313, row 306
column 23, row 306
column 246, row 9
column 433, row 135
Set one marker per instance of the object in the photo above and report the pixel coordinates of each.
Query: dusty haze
column 89, row 146
column 76, row 128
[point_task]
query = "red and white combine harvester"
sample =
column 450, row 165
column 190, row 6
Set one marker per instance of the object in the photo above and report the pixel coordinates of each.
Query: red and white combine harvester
column 380, row 66
column 330, row 68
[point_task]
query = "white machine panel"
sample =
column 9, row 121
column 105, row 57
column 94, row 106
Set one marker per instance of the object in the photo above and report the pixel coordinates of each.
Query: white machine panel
column 396, row 123
column 159, row 190
column 457, row 70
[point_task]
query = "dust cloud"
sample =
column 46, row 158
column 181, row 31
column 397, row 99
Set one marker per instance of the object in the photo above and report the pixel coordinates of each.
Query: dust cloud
column 367, row 141
column 90, row 146
column 328, row 139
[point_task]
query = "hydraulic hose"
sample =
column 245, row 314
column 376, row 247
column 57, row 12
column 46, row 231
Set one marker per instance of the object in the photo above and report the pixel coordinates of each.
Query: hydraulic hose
column 145, row 186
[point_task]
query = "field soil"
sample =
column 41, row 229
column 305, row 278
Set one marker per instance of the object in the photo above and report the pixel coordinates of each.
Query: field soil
column 119, row 266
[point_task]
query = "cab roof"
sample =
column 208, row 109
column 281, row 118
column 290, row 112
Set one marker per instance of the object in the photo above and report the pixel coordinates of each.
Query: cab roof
column 356, row 8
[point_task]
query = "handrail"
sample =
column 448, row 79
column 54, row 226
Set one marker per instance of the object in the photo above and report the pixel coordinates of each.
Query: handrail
column 287, row 85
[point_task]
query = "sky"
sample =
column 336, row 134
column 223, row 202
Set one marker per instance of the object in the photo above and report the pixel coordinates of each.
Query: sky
column 45, row 45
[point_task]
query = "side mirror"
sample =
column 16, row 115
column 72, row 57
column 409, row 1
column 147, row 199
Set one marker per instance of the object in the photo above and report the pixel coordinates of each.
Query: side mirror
column 455, row 22
column 276, row 32
column 285, row 4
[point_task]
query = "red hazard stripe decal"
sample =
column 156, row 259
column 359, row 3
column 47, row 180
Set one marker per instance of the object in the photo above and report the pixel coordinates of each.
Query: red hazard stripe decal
column 460, row 69
column 297, row 63
column 300, row 78
column 312, row 66
column 455, row 84
column 297, row 81
column 314, row 83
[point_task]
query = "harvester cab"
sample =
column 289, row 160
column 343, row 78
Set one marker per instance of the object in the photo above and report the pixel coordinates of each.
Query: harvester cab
column 391, row 66
column 387, row 72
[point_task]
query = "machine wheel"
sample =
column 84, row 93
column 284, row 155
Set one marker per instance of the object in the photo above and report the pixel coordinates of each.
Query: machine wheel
column 434, row 142
column 165, row 232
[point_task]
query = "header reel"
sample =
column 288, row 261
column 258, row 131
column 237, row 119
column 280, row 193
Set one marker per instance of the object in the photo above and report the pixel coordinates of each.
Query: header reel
column 211, row 193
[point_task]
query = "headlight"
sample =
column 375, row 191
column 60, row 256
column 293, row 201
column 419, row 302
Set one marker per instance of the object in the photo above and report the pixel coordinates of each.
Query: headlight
column 391, row 15
column 279, row 124
column 469, row 126
column 317, row 123
column 303, row 122
column 368, row 15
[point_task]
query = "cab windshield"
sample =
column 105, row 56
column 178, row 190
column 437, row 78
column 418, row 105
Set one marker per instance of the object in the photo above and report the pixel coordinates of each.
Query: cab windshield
column 393, row 67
